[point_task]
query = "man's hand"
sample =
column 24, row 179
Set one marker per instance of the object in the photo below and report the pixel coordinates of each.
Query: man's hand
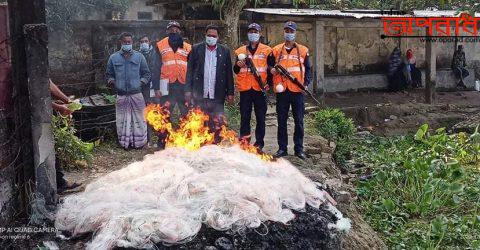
column 266, row 87
column 111, row 82
column 241, row 64
column 273, row 71
column 63, row 109
column 230, row 99
column 158, row 94
column 64, row 100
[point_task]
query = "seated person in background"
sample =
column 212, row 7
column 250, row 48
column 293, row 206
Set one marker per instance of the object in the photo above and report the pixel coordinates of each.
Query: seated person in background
column 458, row 66
column 62, row 183
column 412, row 73
column 396, row 78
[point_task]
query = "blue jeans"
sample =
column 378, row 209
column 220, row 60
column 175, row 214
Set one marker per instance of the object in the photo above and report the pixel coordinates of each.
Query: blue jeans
column 297, row 102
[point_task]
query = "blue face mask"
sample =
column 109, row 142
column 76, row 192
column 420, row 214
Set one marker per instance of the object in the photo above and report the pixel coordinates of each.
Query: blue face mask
column 289, row 36
column 144, row 47
column 127, row 47
column 211, row 41
column 253, row 37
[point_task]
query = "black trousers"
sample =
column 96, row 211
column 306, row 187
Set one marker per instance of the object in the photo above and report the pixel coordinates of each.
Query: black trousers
column 215, row 109
column 175, row 97
column 397, row 81
column 297, row 102
column 248, row 99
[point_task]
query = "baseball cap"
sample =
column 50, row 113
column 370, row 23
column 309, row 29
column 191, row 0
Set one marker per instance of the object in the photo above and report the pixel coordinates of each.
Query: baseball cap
column 291, row 25
column 173, row 24
column 255, row 26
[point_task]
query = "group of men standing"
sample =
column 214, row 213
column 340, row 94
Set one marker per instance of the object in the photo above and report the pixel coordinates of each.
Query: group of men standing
column 178, row 74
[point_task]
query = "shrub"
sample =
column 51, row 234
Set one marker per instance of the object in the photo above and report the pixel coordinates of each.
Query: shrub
column 70, row 150
column 333, row 125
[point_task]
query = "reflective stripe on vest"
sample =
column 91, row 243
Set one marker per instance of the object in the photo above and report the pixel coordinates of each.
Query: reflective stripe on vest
column 295, row 69
column 259, row 69
column 179, row 62
column 292, row 57
column 179, row 51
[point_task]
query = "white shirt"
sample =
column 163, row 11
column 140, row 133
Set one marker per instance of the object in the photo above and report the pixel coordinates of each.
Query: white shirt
column 210, row 73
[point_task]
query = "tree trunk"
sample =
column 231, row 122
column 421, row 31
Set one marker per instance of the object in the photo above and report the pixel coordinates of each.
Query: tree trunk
column 231, row 17
column 399, row 5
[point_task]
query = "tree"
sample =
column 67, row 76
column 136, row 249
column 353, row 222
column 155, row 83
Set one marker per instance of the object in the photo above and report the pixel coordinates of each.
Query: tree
column 60, row 13
column 230, row 11
column 406, row 5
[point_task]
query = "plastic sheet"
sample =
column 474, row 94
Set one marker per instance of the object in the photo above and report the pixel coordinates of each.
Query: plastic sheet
column 167, row 196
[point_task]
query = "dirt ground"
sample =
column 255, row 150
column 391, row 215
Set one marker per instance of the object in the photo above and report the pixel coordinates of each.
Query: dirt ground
column 398, row 113
column 108, row 157
column 352, row 99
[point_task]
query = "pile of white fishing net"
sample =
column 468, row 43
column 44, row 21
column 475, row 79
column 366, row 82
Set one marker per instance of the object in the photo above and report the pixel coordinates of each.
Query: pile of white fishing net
column 167, row 196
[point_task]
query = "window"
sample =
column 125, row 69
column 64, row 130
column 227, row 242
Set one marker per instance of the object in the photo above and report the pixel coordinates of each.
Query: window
column 145, row 15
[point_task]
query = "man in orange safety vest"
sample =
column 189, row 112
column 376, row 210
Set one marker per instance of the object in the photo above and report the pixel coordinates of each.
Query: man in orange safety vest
column 250, row 88
column 169, row 72
column 295, row 58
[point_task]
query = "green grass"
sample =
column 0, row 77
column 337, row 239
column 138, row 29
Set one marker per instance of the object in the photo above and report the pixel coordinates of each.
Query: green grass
column 424, row 192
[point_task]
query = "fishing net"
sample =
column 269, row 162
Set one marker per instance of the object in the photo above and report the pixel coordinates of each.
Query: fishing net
column 167, row 196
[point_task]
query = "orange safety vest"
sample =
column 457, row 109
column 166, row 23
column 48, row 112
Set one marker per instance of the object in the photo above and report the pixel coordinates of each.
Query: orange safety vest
column 174, row 64
column 245, row 79
column 293, row 62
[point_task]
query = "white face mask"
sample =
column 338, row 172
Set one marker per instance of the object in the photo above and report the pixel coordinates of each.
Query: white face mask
column 289, row 37
column 211, row 41
column 253, row 37
column 144, row 47
column 127, row 47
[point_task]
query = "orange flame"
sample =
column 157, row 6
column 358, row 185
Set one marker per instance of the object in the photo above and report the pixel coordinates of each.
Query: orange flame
column 193, row 131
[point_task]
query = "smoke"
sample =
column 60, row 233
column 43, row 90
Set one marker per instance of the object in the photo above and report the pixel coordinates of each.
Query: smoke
column 167, row 196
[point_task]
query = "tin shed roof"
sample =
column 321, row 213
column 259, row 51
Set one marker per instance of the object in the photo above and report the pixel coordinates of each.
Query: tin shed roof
column 353, row 13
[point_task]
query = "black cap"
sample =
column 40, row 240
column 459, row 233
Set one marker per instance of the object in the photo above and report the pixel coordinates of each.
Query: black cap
column 173, row 24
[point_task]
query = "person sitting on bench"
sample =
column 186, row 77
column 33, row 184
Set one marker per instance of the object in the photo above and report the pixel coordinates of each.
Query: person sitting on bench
column 459, row 66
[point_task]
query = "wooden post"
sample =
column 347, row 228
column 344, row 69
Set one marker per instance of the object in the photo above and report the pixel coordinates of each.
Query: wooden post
column 319, row 83
column 98, row 57
column 36, row 40
column 431, row 71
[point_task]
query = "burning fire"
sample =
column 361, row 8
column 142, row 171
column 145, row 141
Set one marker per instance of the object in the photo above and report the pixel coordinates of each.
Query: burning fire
column 193, row 131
